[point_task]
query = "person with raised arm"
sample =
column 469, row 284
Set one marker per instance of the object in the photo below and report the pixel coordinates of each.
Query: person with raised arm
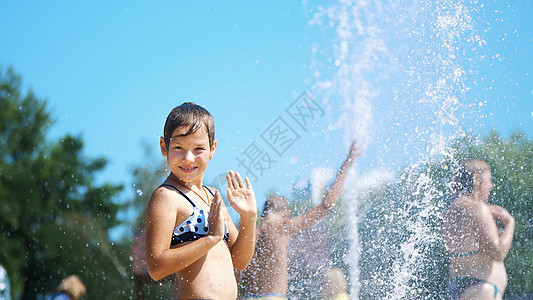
column 267, row 276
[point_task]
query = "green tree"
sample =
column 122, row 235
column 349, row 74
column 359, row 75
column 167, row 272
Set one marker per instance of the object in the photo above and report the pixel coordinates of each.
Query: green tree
column 54, row 220
column 146, row 178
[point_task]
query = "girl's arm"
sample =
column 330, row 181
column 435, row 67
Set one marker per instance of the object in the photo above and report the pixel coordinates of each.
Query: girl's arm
column 305, row 221
column 492, row 243
column 242, row 199
column 161, row 213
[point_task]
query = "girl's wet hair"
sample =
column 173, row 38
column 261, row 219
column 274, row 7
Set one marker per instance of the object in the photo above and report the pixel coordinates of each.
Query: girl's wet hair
column 463, row 177
column 192, row 116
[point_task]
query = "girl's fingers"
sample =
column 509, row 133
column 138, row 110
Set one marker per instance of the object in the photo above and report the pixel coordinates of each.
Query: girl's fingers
column 213, row 207
column 217, row 203
column 228, row 180
column 239, row 179
column 231, row 180
column 217, row 197
column 248, row 183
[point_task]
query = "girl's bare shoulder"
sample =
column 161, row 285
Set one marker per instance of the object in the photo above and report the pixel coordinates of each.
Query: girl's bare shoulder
column 166, row 199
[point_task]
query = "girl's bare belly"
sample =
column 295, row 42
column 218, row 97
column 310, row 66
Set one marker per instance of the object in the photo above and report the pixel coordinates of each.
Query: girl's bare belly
column 210, row 277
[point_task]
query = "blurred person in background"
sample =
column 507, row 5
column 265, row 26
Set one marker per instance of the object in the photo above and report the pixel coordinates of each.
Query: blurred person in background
column 477, row 235
column 335, row 285
column 71, row 288
column 267, row 276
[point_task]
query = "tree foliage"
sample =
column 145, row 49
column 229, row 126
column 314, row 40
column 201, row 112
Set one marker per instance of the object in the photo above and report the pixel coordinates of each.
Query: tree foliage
column 146, row 178
column 54, row 219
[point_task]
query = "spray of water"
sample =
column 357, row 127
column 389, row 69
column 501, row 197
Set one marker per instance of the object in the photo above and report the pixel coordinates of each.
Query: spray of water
column 400, row 71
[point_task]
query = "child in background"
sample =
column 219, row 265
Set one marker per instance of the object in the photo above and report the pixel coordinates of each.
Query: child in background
column 267, row 277
column 188, row 228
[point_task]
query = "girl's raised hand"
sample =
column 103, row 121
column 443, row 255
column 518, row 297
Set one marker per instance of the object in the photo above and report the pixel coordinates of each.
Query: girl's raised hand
column 241, row 196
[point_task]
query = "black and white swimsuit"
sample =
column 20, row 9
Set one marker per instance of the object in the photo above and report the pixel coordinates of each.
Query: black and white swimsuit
column 196, row 226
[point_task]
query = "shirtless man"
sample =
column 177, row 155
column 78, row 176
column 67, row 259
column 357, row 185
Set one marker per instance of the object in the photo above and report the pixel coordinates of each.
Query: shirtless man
column 476, row 246
column 267, row 275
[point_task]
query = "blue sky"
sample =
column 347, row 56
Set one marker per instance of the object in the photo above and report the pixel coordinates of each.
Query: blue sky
column 111, row 72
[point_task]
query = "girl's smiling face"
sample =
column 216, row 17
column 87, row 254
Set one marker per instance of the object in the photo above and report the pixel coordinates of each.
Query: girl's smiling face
column 188, row 155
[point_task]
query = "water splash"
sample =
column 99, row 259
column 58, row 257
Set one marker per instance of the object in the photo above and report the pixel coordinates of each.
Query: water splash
column 349, row 66
column 400, row 71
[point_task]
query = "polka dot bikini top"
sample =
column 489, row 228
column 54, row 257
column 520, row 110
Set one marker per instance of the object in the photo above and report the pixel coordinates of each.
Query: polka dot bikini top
column 196, row 226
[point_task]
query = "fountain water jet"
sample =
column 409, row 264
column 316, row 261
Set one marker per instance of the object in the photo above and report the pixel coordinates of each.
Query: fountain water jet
column 407, row 63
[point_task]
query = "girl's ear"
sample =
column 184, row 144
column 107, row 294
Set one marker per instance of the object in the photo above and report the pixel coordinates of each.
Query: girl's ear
column 213, row 148
column 163, row 146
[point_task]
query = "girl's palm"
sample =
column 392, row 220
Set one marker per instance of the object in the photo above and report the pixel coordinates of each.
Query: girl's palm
column 241, row 196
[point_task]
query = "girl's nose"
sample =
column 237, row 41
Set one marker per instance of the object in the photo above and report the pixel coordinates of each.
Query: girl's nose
column 189, row 156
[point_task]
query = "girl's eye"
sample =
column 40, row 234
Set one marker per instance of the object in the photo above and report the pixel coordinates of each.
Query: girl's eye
column 200, row 149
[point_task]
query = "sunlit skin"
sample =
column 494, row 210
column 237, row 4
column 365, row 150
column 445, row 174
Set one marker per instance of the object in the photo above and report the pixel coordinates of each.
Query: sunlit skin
column 205, row 267
column 268, row 272
column 470, row 225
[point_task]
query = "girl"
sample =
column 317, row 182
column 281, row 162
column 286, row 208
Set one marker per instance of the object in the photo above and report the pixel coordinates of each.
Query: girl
column 188, row 229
